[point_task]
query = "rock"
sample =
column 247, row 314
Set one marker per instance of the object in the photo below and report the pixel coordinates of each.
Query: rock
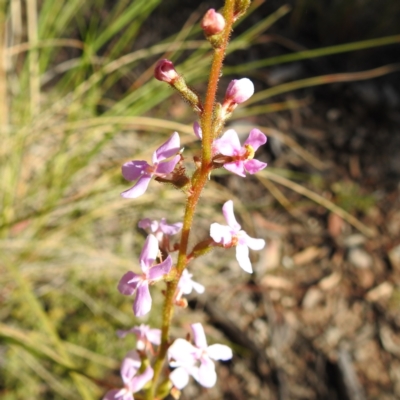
column 360, row 258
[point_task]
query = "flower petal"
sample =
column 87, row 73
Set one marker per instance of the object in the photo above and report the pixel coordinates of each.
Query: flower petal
column 130, row 365
column 132, row 170
column 154, row 336
column 170, row 229
column 147, row 223
column 227, row 210
column 242, row 256
column 149, row 253
column 253, row 166
column 236, row 167
column 198, row 287
column 228, row 144
column 221, row 233
column 138, row 189
column 206, row 376
column 168, row 149
column 219, row 352
column 197, row 130
column 158, row 271
column 128, row 283
column 139, row 381
column 179, row 377
column 199, row 337
column 142, row 304
column 256, row 139
column 183, row 352
column 167, row 167
column 254, row 244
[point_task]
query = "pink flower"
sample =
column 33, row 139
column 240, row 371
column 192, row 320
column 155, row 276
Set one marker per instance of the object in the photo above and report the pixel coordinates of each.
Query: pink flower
column 159, row 229
column 241, row 158
column 212, row 23
column 197, row 130
column 233, row 235
column 141, row 172
column 186, row 284
column 132, row 283
column 132, row 382
column 238, row 91
column 165, row 71
column 144, row 335
column 196, row 360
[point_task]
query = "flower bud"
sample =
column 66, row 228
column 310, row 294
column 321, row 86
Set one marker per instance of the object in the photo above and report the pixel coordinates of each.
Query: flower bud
column 239, row 90
column 165, row 71
column 212, row 23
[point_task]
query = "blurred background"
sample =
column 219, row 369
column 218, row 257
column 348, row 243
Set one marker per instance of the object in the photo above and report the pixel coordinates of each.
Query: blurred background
column 319, row 318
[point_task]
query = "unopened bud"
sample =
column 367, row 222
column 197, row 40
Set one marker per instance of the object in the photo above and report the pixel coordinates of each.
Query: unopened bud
column 239, row 90
column 165, row 71
column 212, row 23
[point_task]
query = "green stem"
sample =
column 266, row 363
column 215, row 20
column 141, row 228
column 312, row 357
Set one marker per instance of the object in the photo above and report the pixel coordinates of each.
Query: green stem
column 198, row 181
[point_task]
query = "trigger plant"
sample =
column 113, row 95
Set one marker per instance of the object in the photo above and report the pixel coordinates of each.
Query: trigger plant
column 161, row 365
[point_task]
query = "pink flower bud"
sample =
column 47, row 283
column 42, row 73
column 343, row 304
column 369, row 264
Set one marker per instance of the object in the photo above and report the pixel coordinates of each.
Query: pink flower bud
column 212, row 23
column 239, row 90
column 165, row 71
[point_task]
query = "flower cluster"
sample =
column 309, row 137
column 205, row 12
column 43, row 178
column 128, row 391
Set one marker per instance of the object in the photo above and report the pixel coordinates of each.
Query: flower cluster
column 157, row 261
column 196, row 359
column 133, row 382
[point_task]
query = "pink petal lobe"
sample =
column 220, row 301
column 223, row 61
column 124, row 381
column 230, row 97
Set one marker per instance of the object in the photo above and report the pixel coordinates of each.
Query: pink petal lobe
column 253, row 166
column 142, row 304
column 242, row 256
column 198, row 287
column 146, row 223
column 158, row 271
column 167, row 167
column 199, row 336
column 182, row 351
column 256, row 139
column 221, row 233
column 179, row 377
column 207, row 376
column 236, row 167
column 139, row 381
column 154, row 336
column 219, row 352
column 132, row 170
column 228, row 144
column 128, row 283
column 170, row 229
column 227, row 210
column 149, row 252
column 254, row 244
column 130, row 366
column 138, row 189
column 197, row 130
column 168, row 149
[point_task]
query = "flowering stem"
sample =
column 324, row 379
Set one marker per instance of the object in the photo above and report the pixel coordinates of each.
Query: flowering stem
column 198, row 182
column 216, row 67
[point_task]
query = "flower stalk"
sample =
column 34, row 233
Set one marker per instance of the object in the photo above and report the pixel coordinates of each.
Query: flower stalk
column 155, row 260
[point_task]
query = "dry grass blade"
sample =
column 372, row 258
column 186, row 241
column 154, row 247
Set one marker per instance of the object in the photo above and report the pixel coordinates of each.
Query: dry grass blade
column 324, row 80
column 367, row 231
column 3, row 77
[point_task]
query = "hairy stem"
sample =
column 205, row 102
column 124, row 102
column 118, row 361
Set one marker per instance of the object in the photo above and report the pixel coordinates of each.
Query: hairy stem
column 198, row 181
